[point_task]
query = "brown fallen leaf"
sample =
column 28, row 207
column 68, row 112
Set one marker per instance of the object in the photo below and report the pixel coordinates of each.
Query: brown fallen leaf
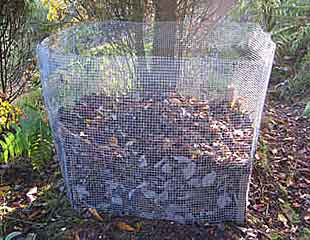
column 114, row 140
column 4, row 190
column 95, row 214
column 125, row 227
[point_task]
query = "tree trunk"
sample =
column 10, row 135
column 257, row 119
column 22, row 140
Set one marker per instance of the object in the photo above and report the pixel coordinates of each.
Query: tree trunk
column 164, row 72
column 165, row 27
column 140, row 66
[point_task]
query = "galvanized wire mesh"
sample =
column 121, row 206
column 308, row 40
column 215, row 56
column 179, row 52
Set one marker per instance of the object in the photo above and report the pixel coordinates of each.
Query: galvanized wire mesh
column 156, row 121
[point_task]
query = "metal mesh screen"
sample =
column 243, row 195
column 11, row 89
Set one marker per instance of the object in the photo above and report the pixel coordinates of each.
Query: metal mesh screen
column 151, row 121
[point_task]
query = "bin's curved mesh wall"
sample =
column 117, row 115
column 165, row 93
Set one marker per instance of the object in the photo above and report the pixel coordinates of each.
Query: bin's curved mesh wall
column 152, row 122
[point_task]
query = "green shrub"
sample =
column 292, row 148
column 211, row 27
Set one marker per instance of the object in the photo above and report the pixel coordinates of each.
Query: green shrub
column 307, row 110
column 31, row 136
column 9, row 115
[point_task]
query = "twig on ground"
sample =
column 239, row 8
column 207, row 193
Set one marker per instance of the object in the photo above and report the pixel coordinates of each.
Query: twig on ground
column 25, row 221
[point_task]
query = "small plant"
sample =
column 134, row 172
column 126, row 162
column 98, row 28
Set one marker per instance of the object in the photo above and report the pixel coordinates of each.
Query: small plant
column 9, row 115
column 299, row 84
column 304, row 233
column 8, row 147
column 307, row 110
column 56, row 9
column 34, row 136
column 28, row 136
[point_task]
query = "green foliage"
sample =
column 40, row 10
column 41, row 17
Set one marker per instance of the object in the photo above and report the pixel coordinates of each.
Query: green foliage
column 35, row 135
column 263, row 152
column 9, row 115
column 56, row 9
column 299, row 85
column 290, row 39
column 288, row 20
column 81, row 10
column 260, row 11
column 307, row 110
column 275, row 236
column 8, row 147
column 265, row 15
column 38, row 23
column 31, row 137
column 305, row 233
column 35, row 82
column 289, row 23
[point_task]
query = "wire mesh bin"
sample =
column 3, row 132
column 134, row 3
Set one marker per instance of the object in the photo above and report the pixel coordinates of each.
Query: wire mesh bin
column 155, row 121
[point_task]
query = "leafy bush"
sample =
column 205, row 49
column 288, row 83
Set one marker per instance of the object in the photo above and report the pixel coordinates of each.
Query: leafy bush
column 37, row 22
column 56, row 9
column 293, row 39
column 9, row 118
column 299, row 85
column 80, row 10
column 289, row 23
column 23, row 133
column 9, row 115
column 31, row 136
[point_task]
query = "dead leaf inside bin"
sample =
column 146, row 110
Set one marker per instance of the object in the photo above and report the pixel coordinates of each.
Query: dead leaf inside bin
column 95, row 214
column 125, row 227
